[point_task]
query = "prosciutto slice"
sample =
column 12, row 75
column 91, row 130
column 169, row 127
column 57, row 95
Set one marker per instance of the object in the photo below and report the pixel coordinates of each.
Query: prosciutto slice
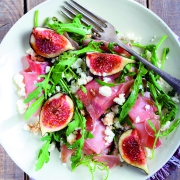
column 66, row 153
column 97, row 144
column 109, row 160
column 143, row 109
column 95, row 103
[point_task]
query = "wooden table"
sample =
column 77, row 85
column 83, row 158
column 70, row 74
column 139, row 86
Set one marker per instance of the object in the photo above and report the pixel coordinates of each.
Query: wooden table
column 12, row 10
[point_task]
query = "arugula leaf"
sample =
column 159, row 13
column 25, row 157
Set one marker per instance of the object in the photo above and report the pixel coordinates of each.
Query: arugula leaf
column 165, row 53
column 75, row 27
column 84, row 90
column 33, row 95
column 91, row 162
column 151, row 125
column 89, row 135
column 102, row 83
column 43, row 156
column 36, row 17
column 34, row 107
column 168, row 131
column 133, row 96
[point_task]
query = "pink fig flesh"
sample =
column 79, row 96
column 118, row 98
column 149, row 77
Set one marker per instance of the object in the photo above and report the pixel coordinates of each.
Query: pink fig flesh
column 131, row 150
column 56, row 113
column 105, row 64
column 47, row 43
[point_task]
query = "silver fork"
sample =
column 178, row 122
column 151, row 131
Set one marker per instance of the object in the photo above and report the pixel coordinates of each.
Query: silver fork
column 103, row 30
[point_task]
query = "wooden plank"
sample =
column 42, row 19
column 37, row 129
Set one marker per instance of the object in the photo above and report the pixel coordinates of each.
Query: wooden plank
column 169, row 11
column 10, row 12
column 8, row 169
column 33, row 3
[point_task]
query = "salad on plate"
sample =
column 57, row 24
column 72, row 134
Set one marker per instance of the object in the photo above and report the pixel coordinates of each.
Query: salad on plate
column 92, row 100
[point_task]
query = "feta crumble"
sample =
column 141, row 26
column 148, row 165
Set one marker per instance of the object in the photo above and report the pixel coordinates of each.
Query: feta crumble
column 166, row 126
column 109, row 135
column 148, row 152
column 175, row 99
column 120, row 100
column 147, row 107
column 21, row 106
column 52, row 147
column 77, row 64
column 164, row 85
column 47, row 69
column 71, row 138
column 74, row 87
column 108, row 119
column 84, row 79
column 117, row 124
column 137, row 120
column 129, row 37
column 115, row 109
column 58, row 88
column 35, row 128
column 106, row 79
column 105, row 91
column 19, row 82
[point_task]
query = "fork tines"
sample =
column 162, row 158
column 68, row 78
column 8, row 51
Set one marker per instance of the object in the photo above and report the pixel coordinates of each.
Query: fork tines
column 72, row 8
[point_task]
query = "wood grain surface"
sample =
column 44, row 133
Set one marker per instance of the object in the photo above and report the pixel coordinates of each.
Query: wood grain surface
column 12, row 10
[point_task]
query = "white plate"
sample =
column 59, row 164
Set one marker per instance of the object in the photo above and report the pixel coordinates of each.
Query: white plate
column 128, row 17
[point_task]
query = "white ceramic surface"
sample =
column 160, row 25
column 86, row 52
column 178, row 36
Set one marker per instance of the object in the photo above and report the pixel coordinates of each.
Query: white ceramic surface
column 127, row 16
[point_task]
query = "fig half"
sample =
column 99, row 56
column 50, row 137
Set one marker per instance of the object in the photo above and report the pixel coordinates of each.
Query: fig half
column 47, row 43
column 105, row 64
column 131, row 150
column 56, row 113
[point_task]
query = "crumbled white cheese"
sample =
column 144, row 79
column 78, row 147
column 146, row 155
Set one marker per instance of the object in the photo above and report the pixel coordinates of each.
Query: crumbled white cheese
column 109, row 135
column 120, row 100
column 52, row 147
column 106, row 79
column 117, row 124
column 148, row 55
column 71, row 138
column 175, row 99
column 140, row 87
column 166, row 126
column 148, row 152
column 20, row 86
column 74, row 86
column 105, row 91
column 165, row 86
column 58, row 88
column 84, row 79
column 108, row 119
column 79, row 71
column 137, row 120
column 129, row 37
column 115, row 109
column 47, row 69
column 77, row 63
column 147, row 107
column 53, row 60
column 21, row 106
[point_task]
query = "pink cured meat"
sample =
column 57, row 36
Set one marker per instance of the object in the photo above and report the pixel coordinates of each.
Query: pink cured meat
column 30, row 78
column 96, row 144
column 66, row 153
column 146, row 133
column 109, row 160
column 36, row 66
column 95, row 103
column 139, row 109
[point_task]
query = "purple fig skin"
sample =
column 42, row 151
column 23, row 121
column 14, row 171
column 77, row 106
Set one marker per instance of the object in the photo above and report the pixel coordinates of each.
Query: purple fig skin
column 47, row 43
column 131, row 150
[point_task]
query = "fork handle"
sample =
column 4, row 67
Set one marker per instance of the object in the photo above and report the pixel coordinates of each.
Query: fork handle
column 172, row 81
